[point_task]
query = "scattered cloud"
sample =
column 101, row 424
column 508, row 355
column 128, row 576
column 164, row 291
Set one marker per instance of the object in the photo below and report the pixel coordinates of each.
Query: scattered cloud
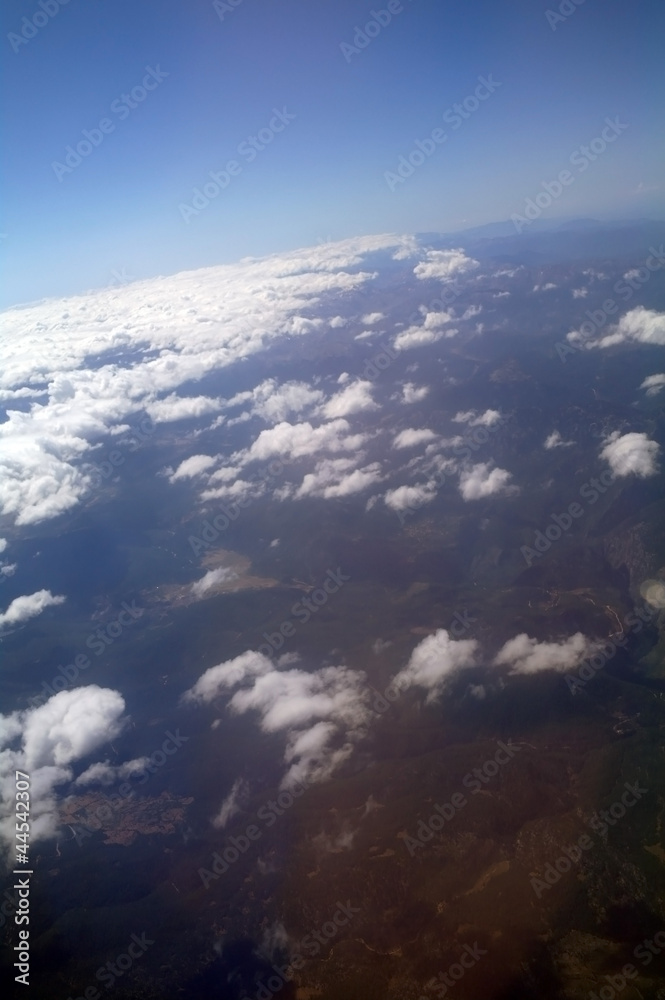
column 414, row 394
column 405, row 497
column 639, row 325
column 410, row 437
column 232, row 804
column 470, row 417
column 631, row 454
column 45, row 742
column 653, row 384
column 335, row 478
column 152, row 338
column 434, row 662
column 443, row 264
column 554, row 440
column 212, row 579
column 29, row 606
column 298, row 440
column 525, row 655
column 192, row 467
column 355, row 398
column 480, row 481
column 322, row 713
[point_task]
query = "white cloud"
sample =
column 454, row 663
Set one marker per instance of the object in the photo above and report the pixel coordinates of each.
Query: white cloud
column 322, row 713
column 653, row 384
column 337, row 477
column 580, row 293
column 275, row 402
column 371, row 318
column 3, row 544
column 639, row 325
column 192, row 467
column 478, row 482
column 411, row 437
column 355, row 398
column 554, row 440
column 525, row 655
column 29, row 606
column 429, row 333
column 212, row 579
column 173, row 407
column 108, row 774
column 435, row 661
column 232, row 804
column 443, row 264
column 162, row 334
column 470, row 417
column 299, row 440
column 226, row 675
column 414, row 394
column 631, row 454
column 45, row 742
column 416, row 336
column 405, row 497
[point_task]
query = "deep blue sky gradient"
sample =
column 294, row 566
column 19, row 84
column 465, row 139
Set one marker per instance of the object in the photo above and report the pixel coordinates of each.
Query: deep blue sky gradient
column 323, row 177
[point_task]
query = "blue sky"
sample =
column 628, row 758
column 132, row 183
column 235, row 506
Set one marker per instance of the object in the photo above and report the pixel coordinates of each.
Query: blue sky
column 118, row 212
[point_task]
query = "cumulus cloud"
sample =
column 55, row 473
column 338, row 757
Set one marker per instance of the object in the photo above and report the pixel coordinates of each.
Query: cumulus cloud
column 411, row 437
column 631, row 454
column 226, row 675
column 473, row 419
column 192, row 467
column 162, row 335
column 322, row 714
column 45, row 742
column 406, row 497
column 554, row 440
column 430, row 331
column 212, row 579
column 416, row 336
column 29, row 606
column 173, row 408
column 355, row 398
column 443, row 264
column 435, row 661
column 335, row 478
column 414, row 394
column 480, row 481
column 371, row 318
column 299, row 440
column 653, row 384
column 639, row 325
column 525, row 655
column 275, row 402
